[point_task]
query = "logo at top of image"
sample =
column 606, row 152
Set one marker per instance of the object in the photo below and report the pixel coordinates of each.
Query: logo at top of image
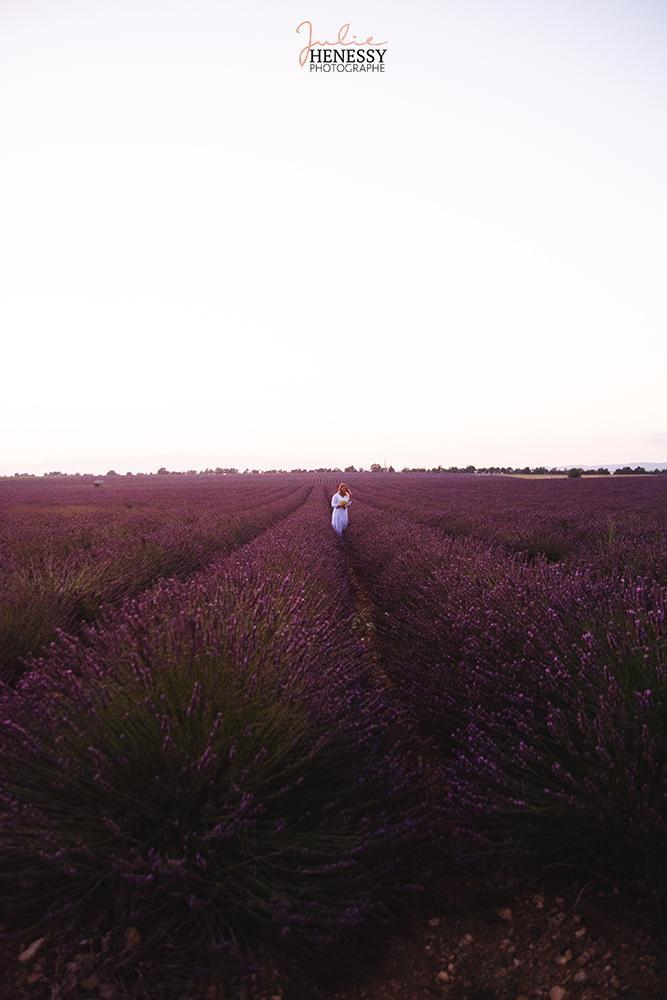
column 347, row 53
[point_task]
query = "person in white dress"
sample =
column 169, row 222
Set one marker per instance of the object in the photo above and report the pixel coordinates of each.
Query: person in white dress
column 340, row 502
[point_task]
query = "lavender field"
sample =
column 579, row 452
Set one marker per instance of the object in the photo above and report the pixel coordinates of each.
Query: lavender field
column 231, row 741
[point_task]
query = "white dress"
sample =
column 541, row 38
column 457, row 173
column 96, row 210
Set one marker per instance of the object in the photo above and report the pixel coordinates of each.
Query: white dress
column 339, row 514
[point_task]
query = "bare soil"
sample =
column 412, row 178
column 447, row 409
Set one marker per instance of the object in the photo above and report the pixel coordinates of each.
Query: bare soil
column 544, row 942
column 537, row 944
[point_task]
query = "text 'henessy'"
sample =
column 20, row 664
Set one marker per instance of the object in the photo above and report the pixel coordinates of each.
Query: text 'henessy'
column 345, row 54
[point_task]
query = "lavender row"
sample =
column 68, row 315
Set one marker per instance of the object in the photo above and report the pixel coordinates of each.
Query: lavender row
column 544, row 689
column 215, row 764
column 612, row 523
column 63, row 562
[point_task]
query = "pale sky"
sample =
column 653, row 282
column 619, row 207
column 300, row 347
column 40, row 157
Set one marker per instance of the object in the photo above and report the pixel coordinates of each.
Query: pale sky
column 209, row 254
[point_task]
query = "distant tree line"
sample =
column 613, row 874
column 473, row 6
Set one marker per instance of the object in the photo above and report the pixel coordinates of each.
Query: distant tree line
column 506, row 470
column 639, row 469
column 540, row 470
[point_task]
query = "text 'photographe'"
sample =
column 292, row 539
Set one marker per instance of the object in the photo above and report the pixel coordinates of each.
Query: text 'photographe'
column 346, row 53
